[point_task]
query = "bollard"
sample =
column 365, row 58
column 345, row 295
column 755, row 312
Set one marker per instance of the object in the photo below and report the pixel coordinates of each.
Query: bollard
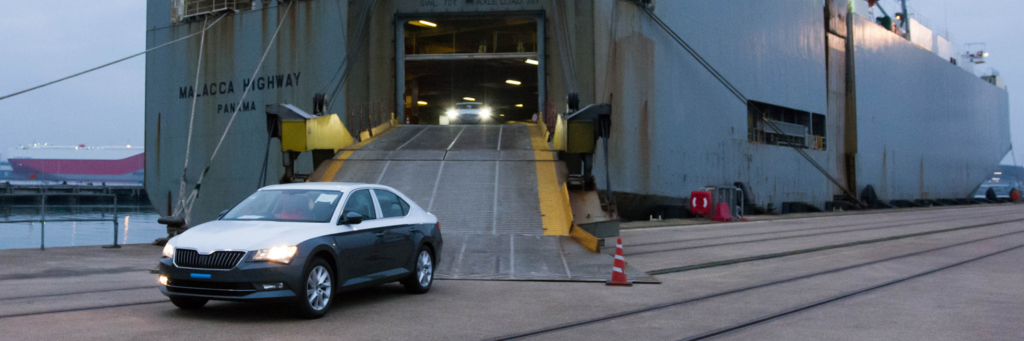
column 42, row 223
column 114, row 246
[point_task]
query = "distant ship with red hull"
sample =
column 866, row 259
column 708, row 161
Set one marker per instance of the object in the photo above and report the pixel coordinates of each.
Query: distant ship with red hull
column 78, row 163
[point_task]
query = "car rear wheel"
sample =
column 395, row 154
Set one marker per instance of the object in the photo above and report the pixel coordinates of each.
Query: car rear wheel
column 317, row 291
column 422, row 278
column 188, row 303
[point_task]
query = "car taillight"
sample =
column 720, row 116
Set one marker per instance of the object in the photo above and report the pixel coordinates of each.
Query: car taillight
column 439, row 226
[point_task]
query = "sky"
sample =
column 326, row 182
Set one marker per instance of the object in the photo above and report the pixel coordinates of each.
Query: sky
column 44, row 40
column 997, row 24
column 41, row 41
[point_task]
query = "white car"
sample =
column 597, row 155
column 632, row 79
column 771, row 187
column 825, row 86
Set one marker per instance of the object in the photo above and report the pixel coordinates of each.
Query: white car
column 304, row 243
column 469, row 112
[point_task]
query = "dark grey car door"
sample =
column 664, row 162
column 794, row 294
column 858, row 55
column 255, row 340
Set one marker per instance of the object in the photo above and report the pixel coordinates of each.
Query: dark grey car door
column 398, row 233
column 361, row 249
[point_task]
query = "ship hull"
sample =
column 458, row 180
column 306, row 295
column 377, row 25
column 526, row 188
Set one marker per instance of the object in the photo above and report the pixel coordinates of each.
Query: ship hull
column 124, row 170
column 883, row 113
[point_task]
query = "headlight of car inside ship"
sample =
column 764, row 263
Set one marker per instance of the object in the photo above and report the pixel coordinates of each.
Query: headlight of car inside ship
column 452, row 113
column 280, row 254
column 485, row 112
column 168, row 250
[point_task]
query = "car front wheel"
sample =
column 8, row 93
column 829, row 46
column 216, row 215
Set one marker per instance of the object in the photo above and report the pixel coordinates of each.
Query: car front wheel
column 317, row 291
column 422, row 278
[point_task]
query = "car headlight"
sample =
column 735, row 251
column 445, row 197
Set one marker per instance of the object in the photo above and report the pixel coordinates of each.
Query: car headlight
column 452, row 113
column 485, row 112
column 168, row 250
column 280, row 254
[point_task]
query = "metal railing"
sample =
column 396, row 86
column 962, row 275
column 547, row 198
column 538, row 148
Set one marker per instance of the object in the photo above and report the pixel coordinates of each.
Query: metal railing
column 732, row 196
column 42, row 215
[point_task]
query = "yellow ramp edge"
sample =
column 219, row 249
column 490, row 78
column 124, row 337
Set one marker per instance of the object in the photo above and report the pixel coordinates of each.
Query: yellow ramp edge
column 329, row 169
column 554, row 203
column 587, row 240
column 556, row 212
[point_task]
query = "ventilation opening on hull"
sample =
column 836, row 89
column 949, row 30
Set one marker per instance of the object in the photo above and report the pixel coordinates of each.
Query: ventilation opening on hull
column 470, row 71
column 798, row 128
column 182, row 10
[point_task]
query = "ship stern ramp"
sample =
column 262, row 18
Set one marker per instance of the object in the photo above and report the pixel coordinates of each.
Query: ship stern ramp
column 496, row 191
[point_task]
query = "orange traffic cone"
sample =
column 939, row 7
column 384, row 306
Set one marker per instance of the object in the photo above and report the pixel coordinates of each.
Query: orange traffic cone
column 619, row 268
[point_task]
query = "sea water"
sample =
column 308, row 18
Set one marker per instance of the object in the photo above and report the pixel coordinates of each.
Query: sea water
column 135, row 225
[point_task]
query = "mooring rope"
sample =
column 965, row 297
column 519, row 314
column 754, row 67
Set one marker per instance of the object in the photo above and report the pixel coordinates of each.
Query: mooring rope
column 106, row 65
column 187, row 206
column 192, row 115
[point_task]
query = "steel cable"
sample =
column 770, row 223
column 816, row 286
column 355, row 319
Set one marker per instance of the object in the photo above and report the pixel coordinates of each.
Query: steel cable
column 107, row 64
column 352, row 52
column 348, row 49
column 566, row 57
column 192, row 115
column 187, row 205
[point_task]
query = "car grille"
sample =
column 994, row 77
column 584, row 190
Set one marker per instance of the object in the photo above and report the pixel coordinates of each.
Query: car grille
column 221, row 260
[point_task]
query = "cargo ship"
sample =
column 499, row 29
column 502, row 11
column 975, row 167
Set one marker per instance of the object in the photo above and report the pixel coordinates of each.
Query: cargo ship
column 81, row 163
column 835, row 101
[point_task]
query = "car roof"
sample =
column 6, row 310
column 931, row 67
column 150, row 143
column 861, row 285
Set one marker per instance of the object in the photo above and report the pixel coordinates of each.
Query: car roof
column 329, row 186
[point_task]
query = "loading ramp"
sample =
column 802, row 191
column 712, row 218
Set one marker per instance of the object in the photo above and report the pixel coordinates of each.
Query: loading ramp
column 495, row 191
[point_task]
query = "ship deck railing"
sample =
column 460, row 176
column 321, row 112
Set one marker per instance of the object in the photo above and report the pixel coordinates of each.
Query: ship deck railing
column 185, row 9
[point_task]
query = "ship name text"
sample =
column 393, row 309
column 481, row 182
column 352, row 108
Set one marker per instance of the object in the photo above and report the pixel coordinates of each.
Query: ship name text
column 270, row 82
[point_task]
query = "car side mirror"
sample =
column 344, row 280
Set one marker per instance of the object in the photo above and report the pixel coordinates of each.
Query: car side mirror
column 351, row 218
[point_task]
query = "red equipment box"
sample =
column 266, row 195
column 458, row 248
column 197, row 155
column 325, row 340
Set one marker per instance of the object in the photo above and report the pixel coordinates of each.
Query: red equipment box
column 700, row 203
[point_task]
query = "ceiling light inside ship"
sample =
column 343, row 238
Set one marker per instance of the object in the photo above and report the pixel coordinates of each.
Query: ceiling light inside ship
column 423, row 23
column 421, row 103
column 519, row 105
column 436, row 61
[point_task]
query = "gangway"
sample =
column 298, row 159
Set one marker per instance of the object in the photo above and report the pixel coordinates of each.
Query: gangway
column 496, row 189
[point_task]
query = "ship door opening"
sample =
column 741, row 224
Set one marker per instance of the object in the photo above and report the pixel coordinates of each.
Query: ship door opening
column 479, row 69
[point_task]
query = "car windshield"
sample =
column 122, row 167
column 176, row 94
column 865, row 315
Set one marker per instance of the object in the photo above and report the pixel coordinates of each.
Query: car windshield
column 467, row 106
column 298, row 205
